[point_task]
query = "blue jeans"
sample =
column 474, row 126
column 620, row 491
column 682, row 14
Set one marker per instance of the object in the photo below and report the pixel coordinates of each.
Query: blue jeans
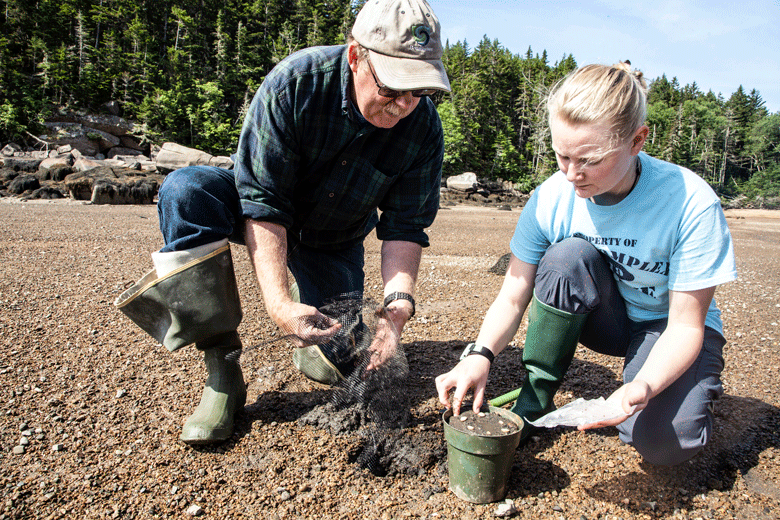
column 199, row 205
column 573, row 276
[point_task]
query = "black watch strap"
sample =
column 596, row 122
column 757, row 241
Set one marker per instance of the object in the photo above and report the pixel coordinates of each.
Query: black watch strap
column 390, row 298
column 473, row 348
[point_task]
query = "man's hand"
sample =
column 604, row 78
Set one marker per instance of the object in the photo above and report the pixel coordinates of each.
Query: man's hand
column 385, row 342
column 304, row 325
column 471, row 372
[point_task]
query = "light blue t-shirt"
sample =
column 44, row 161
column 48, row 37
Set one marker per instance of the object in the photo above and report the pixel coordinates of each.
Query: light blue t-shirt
column 669, row 233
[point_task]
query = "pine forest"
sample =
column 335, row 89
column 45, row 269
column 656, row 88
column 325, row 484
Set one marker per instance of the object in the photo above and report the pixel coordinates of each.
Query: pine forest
column 185, row 71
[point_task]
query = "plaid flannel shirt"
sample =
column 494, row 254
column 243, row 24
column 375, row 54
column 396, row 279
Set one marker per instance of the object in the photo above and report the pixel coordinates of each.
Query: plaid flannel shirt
column 308, row 160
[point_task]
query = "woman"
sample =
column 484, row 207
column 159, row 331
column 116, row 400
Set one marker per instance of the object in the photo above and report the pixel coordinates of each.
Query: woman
column 620, row 252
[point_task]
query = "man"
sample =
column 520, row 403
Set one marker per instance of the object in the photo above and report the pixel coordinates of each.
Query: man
column 332, row 135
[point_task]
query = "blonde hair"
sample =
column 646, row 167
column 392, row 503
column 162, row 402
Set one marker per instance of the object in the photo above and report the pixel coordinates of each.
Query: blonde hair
column 615, row 95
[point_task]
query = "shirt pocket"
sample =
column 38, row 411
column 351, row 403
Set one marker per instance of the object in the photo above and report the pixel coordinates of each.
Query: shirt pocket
column 349, row 195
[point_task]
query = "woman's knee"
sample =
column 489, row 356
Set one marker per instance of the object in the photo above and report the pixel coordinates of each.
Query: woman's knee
column 571, row 275
column 671, row 445
column 568, row 251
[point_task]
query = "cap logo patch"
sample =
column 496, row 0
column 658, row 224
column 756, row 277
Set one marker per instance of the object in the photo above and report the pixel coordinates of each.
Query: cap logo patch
column 422, row 34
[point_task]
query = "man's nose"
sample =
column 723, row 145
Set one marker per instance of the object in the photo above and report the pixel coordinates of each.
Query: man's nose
column 406, row 100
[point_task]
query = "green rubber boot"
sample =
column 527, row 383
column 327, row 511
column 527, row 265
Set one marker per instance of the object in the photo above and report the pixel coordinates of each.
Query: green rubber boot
column 189, row 304
column 223, row 396
column 195, row 300
column 550, row 343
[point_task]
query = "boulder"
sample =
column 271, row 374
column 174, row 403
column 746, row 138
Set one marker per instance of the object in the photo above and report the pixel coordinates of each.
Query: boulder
column 7, row 175
column 104, row 139
column 121, row 151
column 22, row 164
column 463, row 182
column 112, row 107
column 124, row 191
column 173, row 156
column 221, row 161
column 10, row 149
column 109, row 124
column 72, row 134
column 23, row 183
column 105, row 185
column 57, row 172
column 87, row 140
column 132, row 142
column 83, row 164
column 59, row 160
column 80, row 184
column 47, row 193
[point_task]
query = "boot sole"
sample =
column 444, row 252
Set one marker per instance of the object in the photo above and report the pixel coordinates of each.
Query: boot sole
column 314, row 365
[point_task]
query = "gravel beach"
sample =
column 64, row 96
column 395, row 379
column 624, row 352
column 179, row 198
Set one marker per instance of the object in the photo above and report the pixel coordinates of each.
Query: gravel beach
column 92, row 407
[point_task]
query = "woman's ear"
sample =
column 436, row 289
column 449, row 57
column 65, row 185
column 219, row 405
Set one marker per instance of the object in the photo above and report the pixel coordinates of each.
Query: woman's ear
column 639, row 139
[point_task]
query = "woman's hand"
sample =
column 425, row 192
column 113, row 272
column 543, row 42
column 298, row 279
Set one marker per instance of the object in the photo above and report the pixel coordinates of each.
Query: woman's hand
column 632, row 397
column 470, row 373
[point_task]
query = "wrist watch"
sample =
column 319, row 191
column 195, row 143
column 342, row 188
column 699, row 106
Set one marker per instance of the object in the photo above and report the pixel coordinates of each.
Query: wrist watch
column 473, row 348
column 390, row 298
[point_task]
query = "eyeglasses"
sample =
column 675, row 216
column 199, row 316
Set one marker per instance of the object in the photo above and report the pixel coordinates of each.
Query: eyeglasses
column 390, row 93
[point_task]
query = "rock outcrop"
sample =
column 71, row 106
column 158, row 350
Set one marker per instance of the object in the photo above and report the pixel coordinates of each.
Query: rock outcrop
column 105, row 159
column 98, row 158
column 468, row 188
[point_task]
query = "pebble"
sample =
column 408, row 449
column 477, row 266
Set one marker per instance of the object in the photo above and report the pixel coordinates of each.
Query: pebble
column 58, row 447
column 506, row 508
column 18, row 450
column 120, row 393
column 24, row 441
column 470, row 427
column 481, row 414
column 463, row 418
column 195, row 510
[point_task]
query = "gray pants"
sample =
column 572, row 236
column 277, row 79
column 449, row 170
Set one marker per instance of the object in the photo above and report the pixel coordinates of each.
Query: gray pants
column 575, row 277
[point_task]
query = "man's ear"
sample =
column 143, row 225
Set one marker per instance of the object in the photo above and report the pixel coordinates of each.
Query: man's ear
column 352, row 56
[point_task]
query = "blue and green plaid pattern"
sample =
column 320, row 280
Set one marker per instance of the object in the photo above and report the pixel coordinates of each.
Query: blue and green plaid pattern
column 309, row 161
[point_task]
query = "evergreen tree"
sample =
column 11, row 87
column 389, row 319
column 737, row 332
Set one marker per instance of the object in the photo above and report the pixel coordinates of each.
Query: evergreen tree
column 186, row 71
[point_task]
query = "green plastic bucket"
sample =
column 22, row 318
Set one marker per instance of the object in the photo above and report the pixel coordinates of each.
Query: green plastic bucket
column 479, row 466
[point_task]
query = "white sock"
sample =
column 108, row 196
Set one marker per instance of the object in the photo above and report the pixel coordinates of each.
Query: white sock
column 164, row 263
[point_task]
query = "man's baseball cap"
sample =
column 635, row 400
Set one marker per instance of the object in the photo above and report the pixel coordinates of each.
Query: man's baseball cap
column 403, row 38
